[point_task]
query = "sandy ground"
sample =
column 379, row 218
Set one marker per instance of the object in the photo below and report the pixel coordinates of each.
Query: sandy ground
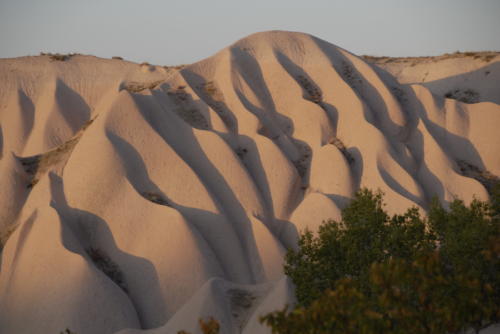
column 138, row 198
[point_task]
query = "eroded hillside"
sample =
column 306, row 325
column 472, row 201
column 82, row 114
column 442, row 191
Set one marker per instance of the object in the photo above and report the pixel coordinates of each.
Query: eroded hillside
column 137, row 197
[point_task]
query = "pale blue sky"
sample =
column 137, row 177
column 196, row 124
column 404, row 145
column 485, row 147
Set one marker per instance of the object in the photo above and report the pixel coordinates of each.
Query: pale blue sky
column 183, row 31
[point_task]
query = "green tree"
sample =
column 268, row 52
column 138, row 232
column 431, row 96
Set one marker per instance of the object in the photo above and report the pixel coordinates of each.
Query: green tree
column 372, row 273
column 366, row 234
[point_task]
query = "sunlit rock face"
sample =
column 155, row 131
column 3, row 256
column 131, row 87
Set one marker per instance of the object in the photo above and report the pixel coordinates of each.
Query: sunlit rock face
column 139, row 197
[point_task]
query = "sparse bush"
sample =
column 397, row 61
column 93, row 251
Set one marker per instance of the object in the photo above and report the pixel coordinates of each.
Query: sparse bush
column 303, row 163
column 372, row 273
column 488, row 58
column 67, row 331
column 485, row 56
column 190, row 114
column 210, row 89
column 399, row 94
column 211, row 326
column 58, row 56
column 486, row 178
column 313, row 93
column 5, row 234
column 335, row 141
column 350, row 76
column 465, row 96
column 136, row 87
column 37, row 165
column 241, row 152
column 176, row 67
column 105, row 264
column 155, row 198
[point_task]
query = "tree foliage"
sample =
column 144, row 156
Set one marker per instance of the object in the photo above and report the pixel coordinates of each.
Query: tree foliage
column 372, row 273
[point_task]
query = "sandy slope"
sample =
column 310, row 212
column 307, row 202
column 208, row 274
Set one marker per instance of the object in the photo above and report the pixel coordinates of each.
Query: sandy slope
column 142, row 198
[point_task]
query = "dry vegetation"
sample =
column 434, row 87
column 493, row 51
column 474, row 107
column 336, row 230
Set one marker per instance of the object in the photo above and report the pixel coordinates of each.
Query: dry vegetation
column 155, row 198
column 188, row 113
column 176, row 67
column 304, row 161
column 214, row 97
column 136, row 87
column 67, row 331
column 313, row 93
column 463, row 95
column 340, row 145
column 104, row 263
column 349, row 74
column 241, row 152
column 399, row 94
column 211, row 326
column 5, row 234
column 485, row 56
column 241, row 302
column 487, row 179
column 210, row 89
column 58, row 56
column 36, row 166
column 179, row 94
